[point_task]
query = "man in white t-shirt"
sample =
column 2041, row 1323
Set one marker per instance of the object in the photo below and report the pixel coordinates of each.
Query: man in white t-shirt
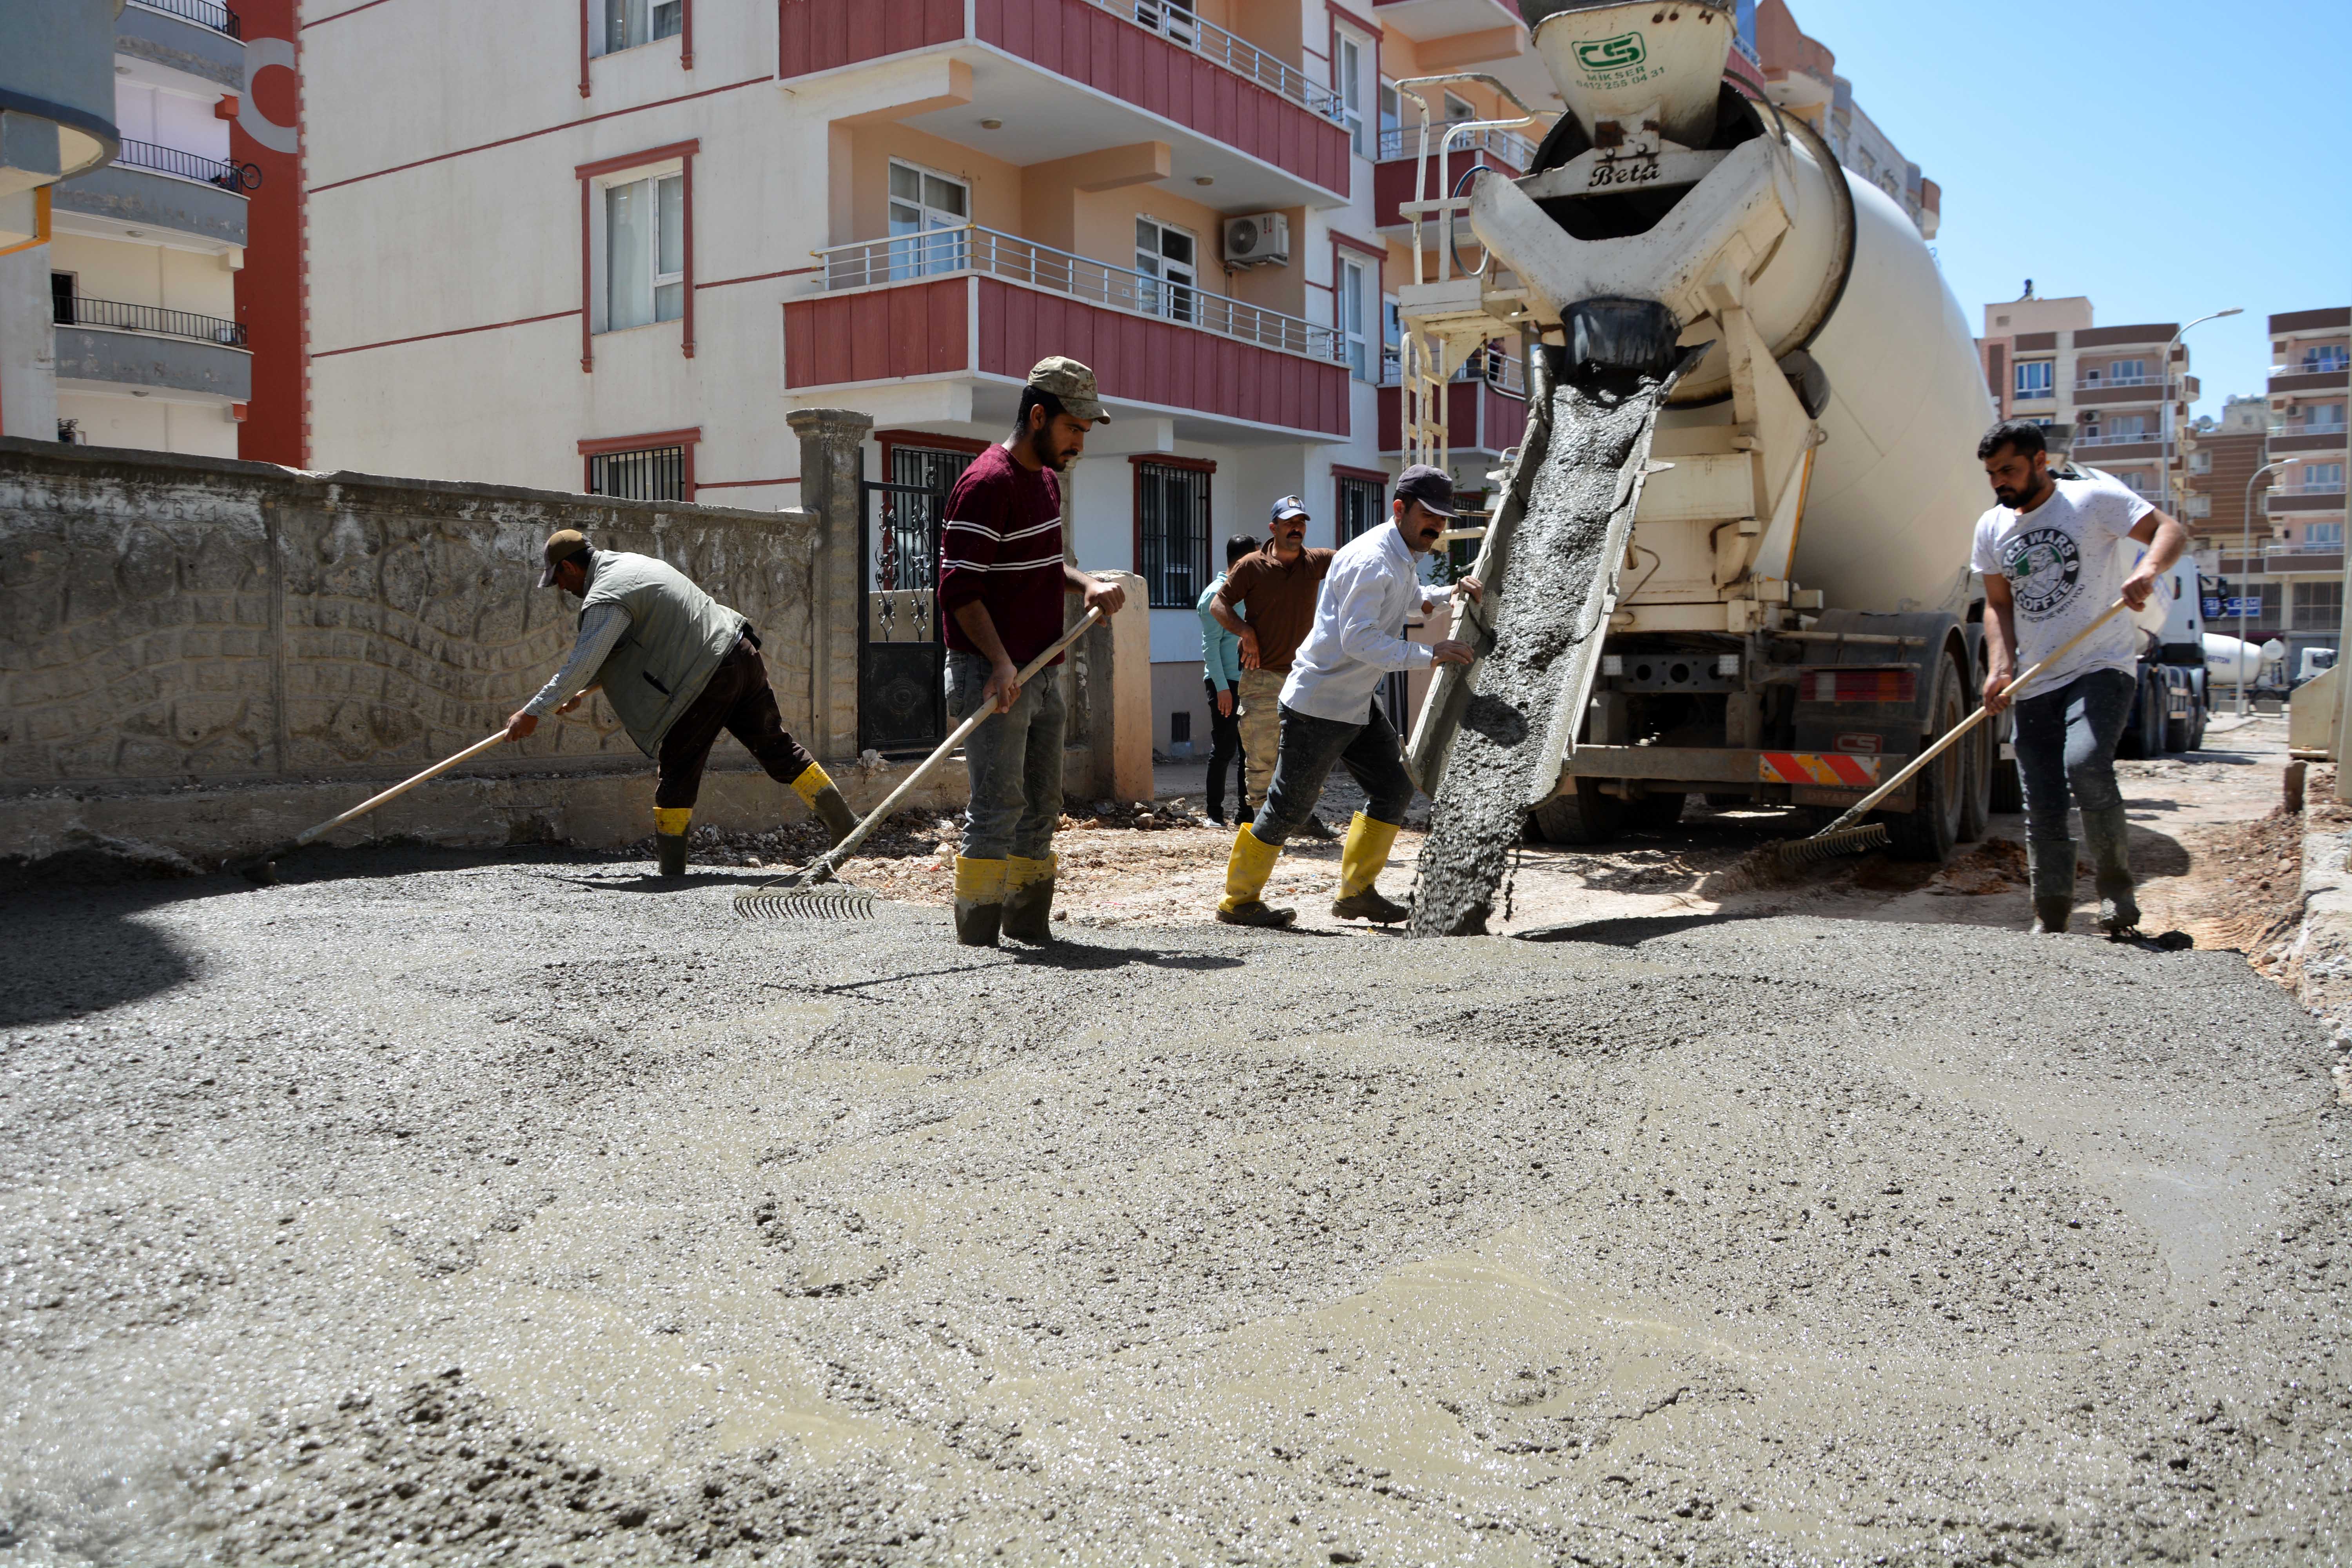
column 2054, row 554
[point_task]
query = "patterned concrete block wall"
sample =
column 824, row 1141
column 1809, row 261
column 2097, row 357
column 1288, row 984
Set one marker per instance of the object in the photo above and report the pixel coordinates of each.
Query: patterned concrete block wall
column 170, row 619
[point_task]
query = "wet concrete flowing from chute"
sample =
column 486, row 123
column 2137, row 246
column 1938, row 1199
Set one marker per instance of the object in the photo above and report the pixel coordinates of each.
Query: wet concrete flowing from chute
column 1581, row 494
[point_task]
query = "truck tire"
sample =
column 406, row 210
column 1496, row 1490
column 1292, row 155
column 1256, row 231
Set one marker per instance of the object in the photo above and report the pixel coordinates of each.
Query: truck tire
column 2133, row 744
column 1929, row 830
column 2198, row 714
column 1655, row 813
column 1976, row 769
column 2177, row 731
column 1579, row 813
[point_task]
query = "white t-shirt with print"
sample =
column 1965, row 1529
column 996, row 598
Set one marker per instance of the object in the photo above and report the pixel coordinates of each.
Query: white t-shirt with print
column 2066, row 561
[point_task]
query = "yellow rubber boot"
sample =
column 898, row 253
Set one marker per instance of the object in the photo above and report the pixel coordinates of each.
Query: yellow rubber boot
column 669, row 838
column 1245, row 875
column 979, row 902
column 1029, row 898
column 816, row 788
column 1362, row 858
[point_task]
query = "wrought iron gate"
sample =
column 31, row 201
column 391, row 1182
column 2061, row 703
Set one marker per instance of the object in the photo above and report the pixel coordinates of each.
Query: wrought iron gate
column 902, row 648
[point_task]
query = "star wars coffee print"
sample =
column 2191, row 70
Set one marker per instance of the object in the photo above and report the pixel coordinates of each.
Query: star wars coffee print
column 2044, row 567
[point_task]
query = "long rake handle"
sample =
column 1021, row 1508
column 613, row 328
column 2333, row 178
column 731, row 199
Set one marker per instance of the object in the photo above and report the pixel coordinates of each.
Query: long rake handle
column 403, row 787
column 1964, row 726
column 831, row 860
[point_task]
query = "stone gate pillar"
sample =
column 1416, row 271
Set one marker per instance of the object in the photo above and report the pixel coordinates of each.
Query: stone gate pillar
column 831, row 461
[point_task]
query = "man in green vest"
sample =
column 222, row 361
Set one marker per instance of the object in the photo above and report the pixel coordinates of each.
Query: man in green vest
column 677, row 666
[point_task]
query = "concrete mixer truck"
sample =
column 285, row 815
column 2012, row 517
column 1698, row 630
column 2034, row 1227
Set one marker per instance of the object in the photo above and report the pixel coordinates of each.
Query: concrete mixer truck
column 1785, row 612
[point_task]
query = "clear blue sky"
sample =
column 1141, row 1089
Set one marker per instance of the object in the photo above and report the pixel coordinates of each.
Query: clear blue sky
column 2165, row 158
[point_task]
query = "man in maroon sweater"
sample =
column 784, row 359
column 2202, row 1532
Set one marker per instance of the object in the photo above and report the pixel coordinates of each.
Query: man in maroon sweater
column 1002, row 581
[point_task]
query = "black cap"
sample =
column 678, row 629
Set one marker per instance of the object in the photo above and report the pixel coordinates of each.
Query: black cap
column 1432, row 488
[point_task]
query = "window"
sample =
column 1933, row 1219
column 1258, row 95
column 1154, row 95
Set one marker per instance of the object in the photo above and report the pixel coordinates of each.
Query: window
column 1458, row 110
column 2141, row 483
column 1172, row 525
column 629, row 23
column 1391, row 341
column 1355, row 292
column 1360, row 505
column 61, row 298
column 2322, row 416
column 2121, row 426
column 2034, row 378
column 645, row 251
column 2323, row 536
column 928, row 213
column 2200, row 462
column 2318, row 607
column 1167, row 254
column 1348, row 64
column 2318, row 478
column 1392, row 121
column 2129, row 371
column 648, row 473
column 1172, row 19
column 2326, row 357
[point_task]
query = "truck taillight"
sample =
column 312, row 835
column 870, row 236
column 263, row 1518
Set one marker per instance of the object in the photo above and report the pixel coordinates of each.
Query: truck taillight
column 1860, row 686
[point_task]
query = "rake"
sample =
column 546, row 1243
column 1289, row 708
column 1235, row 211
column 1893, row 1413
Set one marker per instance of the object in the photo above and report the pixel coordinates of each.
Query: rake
column 1843, row 838
column 262, row 868
column 811, row 893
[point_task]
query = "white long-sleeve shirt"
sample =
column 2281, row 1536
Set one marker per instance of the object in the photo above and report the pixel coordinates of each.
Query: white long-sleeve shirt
column 1359, row 632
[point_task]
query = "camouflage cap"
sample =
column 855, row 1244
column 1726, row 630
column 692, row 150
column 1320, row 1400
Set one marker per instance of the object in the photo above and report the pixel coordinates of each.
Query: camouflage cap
column 1071, row 383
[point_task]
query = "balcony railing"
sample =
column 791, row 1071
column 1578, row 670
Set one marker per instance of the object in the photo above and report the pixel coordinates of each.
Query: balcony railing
column 2314, row 366
column 1404, row 141
column 1493, row 366
column 220, row 19
column 2093, row 383
column 77, row 311
column 949, row 252
column 2119, row 438
column 1175, row 22
column 190, row 165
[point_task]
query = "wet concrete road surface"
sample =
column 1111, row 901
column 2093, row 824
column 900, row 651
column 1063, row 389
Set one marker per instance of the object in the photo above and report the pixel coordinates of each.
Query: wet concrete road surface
column 527, row 1212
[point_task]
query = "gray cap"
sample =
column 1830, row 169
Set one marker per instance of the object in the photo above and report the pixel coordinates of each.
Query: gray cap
column 1288, row 506
column 1072, row 384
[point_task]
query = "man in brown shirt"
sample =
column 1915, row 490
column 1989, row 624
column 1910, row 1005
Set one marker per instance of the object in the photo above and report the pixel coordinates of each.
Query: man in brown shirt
column 1275, row 588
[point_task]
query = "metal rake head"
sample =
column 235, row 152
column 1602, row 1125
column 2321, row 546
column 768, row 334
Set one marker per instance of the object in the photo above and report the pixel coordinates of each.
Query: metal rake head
column 1860, row 840
column 808, row 901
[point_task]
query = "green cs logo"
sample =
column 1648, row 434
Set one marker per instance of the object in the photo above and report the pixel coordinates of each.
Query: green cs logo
column 1612, row 53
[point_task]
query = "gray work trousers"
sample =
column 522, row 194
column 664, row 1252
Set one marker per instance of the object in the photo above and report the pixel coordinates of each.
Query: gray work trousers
column 1015, row 760
column 2066, row 744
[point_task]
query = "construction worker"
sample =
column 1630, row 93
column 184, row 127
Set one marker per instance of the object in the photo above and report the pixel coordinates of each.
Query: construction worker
column 677, row 666
column 1277, row 587
column 1221, row 677
column 1328, row 715
column 1002, row 582
column 2054, row 554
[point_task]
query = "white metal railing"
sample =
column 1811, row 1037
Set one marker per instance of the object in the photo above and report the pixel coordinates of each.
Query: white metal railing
column 1175, row 22
column 2121, row 438
column 2312, row 367
column 1493, row 366
column 1512, row 148
column 970, row 248
column 2092, row 383
column 2324, row 488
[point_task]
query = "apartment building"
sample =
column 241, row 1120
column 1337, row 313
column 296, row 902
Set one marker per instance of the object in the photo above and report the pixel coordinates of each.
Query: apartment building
column 2301, row 575
column 1800, row 76
column 2101, row 391
column 2225, row 473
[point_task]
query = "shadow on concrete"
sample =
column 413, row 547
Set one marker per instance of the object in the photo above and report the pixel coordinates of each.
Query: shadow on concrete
column 1063, row 954
column 1632, row 930
column 648, row 882
column 73, row 951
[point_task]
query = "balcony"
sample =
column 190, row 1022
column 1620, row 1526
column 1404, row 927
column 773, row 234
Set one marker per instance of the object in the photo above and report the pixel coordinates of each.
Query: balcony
column 1038, row 81
column 2300, row 438
column 219, row 18
column 2326, row 496
column 106, row 343
column 1399, row 167
column 1466, row 25
column 191, row 38
column 160, row 190
column 2122, row 444
column 978, row 307
column 2313, row 374
column 1486, row 407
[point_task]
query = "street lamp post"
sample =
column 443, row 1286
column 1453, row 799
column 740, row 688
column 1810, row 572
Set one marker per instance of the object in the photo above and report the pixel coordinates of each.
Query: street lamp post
column 2172, row 422
column 2245, row 553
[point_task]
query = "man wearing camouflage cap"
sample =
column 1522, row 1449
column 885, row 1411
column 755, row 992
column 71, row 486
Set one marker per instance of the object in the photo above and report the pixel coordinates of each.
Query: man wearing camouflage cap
column 677, row 666
column 1002, row 578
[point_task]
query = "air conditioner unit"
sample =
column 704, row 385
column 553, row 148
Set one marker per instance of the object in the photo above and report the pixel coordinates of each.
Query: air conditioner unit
column 1261, row 239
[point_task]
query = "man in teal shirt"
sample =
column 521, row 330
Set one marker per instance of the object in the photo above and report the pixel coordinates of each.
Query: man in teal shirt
column 1220, row 670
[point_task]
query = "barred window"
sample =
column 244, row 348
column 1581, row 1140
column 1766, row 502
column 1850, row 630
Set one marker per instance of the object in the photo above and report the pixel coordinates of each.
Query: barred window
column 2318, row 607
column 1360, row 506
column 1172, row 506
column 656, row 473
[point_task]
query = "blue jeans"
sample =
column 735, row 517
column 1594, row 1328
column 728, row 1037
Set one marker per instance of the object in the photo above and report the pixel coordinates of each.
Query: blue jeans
column 1309, row 747
column 1015, row 760
column 2067, row 738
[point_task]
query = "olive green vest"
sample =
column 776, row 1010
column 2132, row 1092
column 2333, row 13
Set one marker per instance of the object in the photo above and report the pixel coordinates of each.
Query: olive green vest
column 677, row 636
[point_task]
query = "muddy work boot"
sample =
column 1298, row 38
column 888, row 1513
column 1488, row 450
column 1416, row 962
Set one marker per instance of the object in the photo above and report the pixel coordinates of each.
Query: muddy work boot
column 669, row 838
column 979, row 902
column 1246, row 873
column 1029, row 898
column 816, row 788
column 1361, row 860
column 2107, row 834
column 2051, row 868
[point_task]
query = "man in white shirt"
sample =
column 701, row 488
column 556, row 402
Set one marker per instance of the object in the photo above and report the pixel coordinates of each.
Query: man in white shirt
column 1328, row 715
column 2054, row 554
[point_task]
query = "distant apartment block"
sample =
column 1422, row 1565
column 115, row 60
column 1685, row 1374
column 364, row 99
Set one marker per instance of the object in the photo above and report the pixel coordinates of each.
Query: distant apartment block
column 1800, row 74
column 2103, row 393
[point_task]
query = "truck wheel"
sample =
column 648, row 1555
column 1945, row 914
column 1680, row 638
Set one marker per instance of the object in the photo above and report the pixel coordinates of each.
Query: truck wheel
column 2198, row 714
column 1655, row 813
column 2132, row 744
column 1929, row 830
column 1578, row 814
column 2176, row 731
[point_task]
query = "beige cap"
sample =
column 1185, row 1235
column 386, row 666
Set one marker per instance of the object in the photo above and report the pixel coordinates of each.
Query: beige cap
column 1073, row 383
column 561, row 545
